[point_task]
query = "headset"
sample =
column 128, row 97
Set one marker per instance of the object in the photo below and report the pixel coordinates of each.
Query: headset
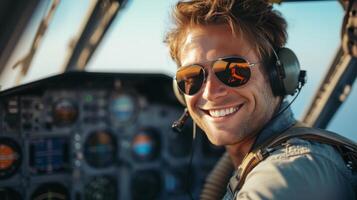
column 284, row 74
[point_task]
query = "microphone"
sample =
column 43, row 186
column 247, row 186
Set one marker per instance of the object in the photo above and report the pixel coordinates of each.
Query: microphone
column 178, row 124
column 302, row 78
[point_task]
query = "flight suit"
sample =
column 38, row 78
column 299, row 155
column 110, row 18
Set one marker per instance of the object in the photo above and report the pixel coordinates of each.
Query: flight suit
column 299, row 169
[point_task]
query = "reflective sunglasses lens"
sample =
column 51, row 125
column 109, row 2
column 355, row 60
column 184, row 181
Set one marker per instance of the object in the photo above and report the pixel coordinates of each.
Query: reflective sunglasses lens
column 190, row 79
column 232, row 72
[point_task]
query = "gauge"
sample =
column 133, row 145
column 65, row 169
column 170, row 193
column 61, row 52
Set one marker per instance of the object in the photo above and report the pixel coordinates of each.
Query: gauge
column 146, row 185
column 10, row 157
column 101, row 188
column 100, row 149
column 146, row 144
column 9, row 194
column 65, row 112
column 123, row 108
column 50, row 191
column 49, row 155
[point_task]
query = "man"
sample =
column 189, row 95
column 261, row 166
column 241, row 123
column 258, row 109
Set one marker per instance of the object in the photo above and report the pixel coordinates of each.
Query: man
column 226, row 49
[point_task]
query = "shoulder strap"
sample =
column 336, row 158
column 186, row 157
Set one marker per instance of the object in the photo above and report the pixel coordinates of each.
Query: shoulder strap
column 314, row 134
column 346, row 147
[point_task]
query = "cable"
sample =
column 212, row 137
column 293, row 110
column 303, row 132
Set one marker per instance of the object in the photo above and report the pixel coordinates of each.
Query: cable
column 281, row 111
column 301, row 82
column 188, row 185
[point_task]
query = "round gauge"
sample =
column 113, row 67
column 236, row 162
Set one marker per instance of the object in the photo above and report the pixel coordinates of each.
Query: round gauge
column 10, row 157
column 146, row 144
column 65, row 112
column 146, row 185
column 101, row 188
column 50, row 191
column 9, row 194
column 100, row 149
column 123, row 108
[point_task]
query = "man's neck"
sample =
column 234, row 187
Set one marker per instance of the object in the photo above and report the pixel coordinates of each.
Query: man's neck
column 238, row 151
column 281, row 122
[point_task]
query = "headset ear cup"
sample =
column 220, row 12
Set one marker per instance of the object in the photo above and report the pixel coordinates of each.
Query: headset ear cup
column 289, row 71
column 272, row 71
column 180, row 97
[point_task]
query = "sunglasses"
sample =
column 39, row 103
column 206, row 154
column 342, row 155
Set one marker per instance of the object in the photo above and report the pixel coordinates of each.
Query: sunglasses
column 231, row 71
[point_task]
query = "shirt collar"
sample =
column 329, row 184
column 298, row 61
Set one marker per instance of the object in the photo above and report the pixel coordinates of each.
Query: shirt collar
column 283, row 121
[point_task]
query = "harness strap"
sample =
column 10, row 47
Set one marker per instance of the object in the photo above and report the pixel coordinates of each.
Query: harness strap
column 346, row 147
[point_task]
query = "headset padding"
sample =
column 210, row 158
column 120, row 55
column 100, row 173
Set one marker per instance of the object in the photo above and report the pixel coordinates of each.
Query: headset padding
column 291, row 68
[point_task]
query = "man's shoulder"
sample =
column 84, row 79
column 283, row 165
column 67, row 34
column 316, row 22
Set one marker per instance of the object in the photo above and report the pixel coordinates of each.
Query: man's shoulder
column 311, row 148
column 300, row 167
column 306, row 157
column 296, row 147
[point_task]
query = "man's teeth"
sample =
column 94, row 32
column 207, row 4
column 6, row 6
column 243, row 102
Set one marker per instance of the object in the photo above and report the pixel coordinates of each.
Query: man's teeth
column 222, row 112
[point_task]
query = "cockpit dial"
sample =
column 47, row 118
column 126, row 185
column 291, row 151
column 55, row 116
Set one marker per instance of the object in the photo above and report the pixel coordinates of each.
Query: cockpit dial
column 123, row 107
column 65, row 112
column 101, row 188
column 100, row 149
column 146, row 144
column 50, row 191
column 10, row 157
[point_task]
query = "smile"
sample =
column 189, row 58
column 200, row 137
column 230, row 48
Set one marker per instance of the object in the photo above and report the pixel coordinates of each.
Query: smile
column 224, row 112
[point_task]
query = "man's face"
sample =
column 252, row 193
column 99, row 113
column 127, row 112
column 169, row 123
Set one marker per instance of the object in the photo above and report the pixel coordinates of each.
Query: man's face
column 252, row 104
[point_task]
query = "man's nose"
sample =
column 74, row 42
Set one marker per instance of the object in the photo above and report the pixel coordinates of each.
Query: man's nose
column 213, row 88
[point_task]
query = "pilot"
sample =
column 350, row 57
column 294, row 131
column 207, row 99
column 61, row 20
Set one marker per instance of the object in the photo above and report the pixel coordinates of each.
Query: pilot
column 210, row 35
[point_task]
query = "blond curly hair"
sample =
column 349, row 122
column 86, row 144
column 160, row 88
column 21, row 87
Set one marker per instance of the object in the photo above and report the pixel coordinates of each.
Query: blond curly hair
column 255, row 19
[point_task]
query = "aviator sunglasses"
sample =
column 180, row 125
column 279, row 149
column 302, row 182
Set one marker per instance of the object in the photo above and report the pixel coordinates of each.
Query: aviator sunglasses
column 231, row 71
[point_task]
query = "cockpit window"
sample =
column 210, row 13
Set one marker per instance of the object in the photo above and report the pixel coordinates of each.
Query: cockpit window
column 314, row 30
column 134, row 43
column 343, row 121
column 52, row 50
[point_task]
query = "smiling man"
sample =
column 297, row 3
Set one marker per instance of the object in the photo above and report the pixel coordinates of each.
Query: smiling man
column 233, row 73
column 230, row 116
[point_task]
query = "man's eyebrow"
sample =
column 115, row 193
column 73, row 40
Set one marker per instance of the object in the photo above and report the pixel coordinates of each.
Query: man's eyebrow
column 213, row 60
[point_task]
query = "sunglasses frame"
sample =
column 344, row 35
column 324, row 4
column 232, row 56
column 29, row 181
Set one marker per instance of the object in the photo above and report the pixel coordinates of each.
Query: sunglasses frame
column 211, row 65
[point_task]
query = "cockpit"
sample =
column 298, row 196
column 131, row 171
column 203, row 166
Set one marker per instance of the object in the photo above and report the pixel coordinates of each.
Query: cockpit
column 87, row 104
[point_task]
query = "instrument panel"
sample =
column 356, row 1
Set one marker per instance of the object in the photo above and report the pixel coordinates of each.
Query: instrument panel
column 95, row 136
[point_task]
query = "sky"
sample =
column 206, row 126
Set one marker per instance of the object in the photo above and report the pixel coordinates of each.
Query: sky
column 134, row 44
